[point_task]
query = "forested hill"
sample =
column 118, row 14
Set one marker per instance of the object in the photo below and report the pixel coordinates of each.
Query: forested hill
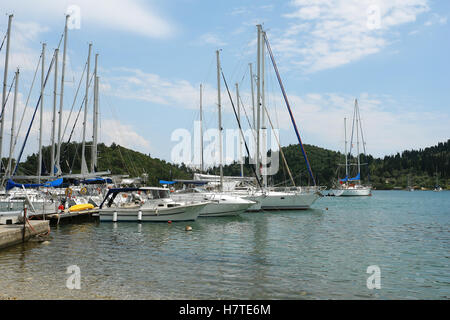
column 418, row 167
column 117, row 159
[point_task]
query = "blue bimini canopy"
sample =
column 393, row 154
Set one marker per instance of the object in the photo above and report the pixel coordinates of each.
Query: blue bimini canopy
column 11, row 184
column 357, row 178
column 166, row 182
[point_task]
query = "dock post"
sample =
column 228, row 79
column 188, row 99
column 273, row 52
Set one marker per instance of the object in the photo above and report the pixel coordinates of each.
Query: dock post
column 24, row 221
column 115, row 216
column 140, row 216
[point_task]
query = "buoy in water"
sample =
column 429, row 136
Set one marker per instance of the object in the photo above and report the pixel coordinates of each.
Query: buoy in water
column 326, row 208
column 188, row 228
column 170, row 221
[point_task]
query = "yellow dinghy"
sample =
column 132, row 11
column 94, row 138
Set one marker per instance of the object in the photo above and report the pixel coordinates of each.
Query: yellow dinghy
column 81, row 207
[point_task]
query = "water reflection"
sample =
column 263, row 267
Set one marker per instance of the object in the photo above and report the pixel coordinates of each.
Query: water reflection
column 312, row 254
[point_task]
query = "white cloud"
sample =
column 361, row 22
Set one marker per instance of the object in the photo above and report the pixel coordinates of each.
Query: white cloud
column 111, row 130
column 389, row 125
column 210, row 38
column 139, row 85
column 124, row 135
column 134, row 16
column 329, row 33
column 436, row 19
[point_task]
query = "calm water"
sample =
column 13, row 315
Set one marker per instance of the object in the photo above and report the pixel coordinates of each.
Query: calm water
column 313, row 254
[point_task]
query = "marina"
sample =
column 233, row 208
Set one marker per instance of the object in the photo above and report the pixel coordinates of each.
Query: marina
column 121, row 184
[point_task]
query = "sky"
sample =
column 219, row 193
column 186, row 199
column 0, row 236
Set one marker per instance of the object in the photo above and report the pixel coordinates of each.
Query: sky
column 391, row 55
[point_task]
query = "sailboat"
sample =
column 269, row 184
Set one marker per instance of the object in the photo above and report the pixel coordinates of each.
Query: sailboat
column 437, row 187
column 352, row 186
column 220, row 204
column 410, row 187
column 43, row 195
column 267, row 197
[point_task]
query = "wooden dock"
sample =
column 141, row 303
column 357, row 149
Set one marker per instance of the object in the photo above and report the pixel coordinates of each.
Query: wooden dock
column 11, row 234
column 68, row 217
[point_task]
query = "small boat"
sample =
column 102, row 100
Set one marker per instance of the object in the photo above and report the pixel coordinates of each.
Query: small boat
column 81, row 207
column 147, row 204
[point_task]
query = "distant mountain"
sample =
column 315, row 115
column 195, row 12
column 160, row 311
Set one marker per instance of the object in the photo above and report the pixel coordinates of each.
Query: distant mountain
column 419, row 166
column 390, row 172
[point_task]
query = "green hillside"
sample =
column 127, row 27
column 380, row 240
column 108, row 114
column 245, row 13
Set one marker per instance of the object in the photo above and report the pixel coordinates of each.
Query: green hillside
column 419, row 166
column 117, row 159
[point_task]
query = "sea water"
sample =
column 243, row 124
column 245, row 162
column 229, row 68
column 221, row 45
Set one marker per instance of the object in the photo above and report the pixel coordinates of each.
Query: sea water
column 321, row 253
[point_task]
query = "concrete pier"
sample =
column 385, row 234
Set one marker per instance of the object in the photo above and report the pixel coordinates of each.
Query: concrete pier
column 12, row 234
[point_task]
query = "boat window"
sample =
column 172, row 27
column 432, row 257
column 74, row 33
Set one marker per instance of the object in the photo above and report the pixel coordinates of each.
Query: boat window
column 163, row 194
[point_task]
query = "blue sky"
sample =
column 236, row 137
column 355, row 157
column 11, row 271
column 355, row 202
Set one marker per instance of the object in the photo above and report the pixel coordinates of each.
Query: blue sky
column 154, row 54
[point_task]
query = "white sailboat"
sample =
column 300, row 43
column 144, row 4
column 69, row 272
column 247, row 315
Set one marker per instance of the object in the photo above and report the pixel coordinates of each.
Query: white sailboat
column 276, row 198
column 220, row 204
column 353, row 186
column 267, row 198
column 437, row 187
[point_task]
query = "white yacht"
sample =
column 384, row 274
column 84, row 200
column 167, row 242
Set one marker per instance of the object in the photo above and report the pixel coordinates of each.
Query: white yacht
column 289, row 198
column 221, row 204
column 270, row 198
column 38, row 202
column 147, row 204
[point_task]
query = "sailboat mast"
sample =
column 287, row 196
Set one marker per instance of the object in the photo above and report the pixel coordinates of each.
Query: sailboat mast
column 258, row 102
column 61, row 99
column 41, row 114
column 11, row 144
column 240, row 139
column 253, row 95
column 263, row 106
column 5, row 80
column 220, row 120
column 84, row 169
column 201, row 128
column 357, row 137
column 95, row 119
column 55, row 90
column 345, row 149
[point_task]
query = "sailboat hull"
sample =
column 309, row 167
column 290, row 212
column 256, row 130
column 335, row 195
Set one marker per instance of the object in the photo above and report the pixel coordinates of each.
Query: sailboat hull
column 274, row 200
column 354, row 192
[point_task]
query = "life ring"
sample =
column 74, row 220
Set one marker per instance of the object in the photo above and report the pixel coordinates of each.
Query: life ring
column 83, row 190
column 68, row 192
